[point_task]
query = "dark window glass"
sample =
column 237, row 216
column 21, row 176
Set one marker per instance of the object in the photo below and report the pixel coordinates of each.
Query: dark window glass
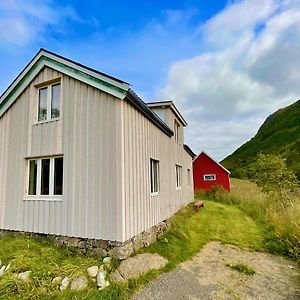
column 43, row 104
column 58, row 176
column 210, row 177
column 45, row 176
column 55, row 101
column 32, row 177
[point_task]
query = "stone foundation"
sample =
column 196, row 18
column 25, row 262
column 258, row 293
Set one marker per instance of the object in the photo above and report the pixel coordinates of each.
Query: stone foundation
column 103, row 248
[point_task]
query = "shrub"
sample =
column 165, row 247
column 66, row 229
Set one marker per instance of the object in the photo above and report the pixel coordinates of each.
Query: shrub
column 272, row 176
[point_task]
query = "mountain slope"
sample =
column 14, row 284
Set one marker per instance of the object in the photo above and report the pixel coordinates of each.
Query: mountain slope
column 279, row 134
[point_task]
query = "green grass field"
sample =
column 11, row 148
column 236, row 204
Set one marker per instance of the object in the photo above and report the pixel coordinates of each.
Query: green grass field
column 189, row 232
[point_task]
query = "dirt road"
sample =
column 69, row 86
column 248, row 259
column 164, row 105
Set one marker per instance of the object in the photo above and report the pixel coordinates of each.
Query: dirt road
column 206, row 276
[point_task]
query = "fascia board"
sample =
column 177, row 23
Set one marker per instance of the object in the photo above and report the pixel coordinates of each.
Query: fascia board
column 41, row 60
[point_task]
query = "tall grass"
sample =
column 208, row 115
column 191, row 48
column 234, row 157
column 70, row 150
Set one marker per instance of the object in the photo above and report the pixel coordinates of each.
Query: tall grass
column 282, row 225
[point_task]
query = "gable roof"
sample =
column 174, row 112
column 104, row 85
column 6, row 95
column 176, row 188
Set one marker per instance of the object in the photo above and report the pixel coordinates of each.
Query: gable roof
column 171, row 105
column 203, row 152
column 99, row 80
column 109, row 84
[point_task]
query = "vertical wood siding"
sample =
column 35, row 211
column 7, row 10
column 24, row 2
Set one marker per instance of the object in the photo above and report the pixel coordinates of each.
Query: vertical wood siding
column 107, row 145
column 142, row 141
column 88, row 134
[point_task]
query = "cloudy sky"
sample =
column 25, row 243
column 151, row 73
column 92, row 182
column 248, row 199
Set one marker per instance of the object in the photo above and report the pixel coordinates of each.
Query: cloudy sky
column 226, row 64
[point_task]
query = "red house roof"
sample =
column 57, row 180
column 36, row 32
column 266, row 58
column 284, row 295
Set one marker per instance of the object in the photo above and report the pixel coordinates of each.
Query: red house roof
column 213, row 160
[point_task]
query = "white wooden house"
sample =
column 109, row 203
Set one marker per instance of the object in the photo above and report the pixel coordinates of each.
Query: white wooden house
column 81, row 155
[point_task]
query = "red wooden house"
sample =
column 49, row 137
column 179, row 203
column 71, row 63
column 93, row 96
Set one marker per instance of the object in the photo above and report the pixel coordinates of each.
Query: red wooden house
column 209, row 173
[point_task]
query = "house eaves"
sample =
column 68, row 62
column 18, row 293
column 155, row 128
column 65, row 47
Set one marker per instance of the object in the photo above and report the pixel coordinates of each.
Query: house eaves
column 140, row 105
column 73, row 69
column 189, row 151
column 172, row 106
column 113, row 86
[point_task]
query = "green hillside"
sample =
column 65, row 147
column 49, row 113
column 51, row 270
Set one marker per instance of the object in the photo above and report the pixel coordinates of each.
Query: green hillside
column 279, row 134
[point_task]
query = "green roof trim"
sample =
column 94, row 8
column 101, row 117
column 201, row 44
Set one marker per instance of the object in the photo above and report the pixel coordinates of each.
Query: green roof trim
column 23, row 81
column 15, row 89
column 88, row 77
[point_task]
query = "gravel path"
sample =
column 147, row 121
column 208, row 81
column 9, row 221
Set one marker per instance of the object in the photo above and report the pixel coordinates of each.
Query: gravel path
column 206, row 276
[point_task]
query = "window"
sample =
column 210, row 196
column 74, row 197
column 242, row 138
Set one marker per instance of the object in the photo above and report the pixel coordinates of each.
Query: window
column 178, row 176
column 45, row 180
column 154, row 173
column 49, row 102
column 209, row 177
column 176, row 130
column 189, row 177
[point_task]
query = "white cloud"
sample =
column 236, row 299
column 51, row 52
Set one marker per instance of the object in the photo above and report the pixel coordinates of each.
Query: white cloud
column 24, row 21
column 250, row 67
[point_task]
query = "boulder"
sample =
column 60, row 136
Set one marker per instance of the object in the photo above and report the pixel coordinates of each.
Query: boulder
column 57, row 279
column 138, row 265
column 2, row 270
column 122, row 252
column 102, row 283
column 116, row 277
column 107, row 260
column 65, row 283
column 25, row 276
column 79, row 283
column 92, row 271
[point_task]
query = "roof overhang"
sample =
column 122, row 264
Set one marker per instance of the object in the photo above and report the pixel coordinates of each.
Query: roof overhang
column 113, row 86
column 136, row 101
column 203, row 152
column 171, row 105
column 44, row 58
column 189, row 151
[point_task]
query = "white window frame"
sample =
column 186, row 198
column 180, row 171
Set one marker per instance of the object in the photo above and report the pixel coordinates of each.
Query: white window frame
column 178, row 176
column 209, row 179
column 49, row 102
column 152, row 177
column 38, row 196
column 176, row 130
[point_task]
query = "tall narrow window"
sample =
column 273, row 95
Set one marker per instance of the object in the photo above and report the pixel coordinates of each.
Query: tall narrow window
column 178, row 176
column 176, row 131
column 154, row 173
column 49, row 102
column 45, row 180
column 45, row 177
column 58, row 176
column 55, row 101
column 43, row 96
column 32, row 177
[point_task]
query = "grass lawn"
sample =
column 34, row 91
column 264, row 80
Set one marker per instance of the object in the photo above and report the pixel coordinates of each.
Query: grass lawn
column 189, row 232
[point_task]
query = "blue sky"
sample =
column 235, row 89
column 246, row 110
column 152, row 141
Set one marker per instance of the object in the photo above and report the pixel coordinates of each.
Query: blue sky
column 225, row 64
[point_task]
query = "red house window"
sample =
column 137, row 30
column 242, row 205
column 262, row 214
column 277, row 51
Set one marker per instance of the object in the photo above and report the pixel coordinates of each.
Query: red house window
column 210, row 177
